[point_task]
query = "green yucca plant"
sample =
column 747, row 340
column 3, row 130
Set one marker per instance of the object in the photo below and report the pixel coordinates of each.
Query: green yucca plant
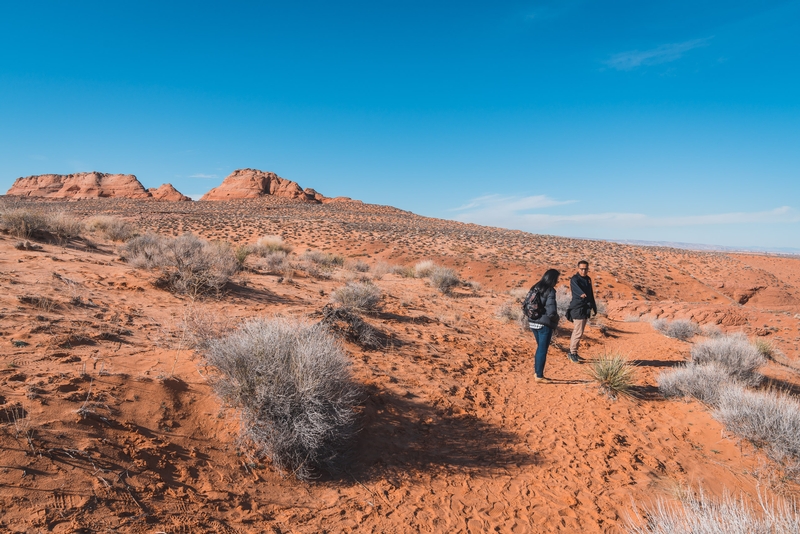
column 614, row 374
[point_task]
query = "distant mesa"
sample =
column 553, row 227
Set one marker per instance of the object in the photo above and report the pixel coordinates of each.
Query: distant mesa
column 253, row 183
column 87, row 185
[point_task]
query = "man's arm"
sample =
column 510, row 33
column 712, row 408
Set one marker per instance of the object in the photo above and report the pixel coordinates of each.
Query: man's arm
column 576, row 289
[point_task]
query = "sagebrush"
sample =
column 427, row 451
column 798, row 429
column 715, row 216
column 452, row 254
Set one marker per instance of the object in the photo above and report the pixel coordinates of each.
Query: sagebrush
column 357, row 296
column 734, row 353
column 681, row 329
column 188, row 264
column 293, row 385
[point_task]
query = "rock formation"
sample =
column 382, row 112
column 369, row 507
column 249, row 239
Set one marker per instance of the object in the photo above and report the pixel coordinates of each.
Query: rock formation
column 90, row 185
column 168, row 192
column 252, row 183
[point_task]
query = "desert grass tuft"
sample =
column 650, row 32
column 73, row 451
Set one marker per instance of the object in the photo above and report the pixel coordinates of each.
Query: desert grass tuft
column 614, row 374
column 681, row 329
column 699, row 514
column 269, row 244
column 112, row 228
column 357, row 296
column 188, row 265
column 293, row 385
column 444, row 279
column 424, row 268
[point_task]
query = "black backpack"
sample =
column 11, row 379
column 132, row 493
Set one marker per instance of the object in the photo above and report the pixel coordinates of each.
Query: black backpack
column 533, row 305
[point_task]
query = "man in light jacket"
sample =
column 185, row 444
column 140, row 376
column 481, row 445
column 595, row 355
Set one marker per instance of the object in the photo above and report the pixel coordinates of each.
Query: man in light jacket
column 580, row 307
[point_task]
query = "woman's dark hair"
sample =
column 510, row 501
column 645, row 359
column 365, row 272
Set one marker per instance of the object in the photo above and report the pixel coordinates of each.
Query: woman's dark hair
column 549, row 279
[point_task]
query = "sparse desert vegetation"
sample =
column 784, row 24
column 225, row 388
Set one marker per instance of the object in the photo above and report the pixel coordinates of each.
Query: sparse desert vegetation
column 446, row 406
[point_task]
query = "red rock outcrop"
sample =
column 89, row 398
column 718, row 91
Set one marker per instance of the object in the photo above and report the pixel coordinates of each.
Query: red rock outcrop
column 80, row 185
column 90, row 185
column 169, row 193
column 252, row 183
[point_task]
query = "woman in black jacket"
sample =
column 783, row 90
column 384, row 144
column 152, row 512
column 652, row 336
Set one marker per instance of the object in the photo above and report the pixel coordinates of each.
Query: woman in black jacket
column 544, row 326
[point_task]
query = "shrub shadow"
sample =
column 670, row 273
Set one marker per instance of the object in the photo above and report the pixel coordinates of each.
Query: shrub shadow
column 401, row 435
column 656, row 363
column 262, row 296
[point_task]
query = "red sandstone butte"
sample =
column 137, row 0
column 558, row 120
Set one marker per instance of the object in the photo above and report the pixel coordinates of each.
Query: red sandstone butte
column 253, row 183
column 168, row 193
column 86, row 185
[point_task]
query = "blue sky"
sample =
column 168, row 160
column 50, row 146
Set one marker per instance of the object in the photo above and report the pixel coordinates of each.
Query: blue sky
column 671, row 121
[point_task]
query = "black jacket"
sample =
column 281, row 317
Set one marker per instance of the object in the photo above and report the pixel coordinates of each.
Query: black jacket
column 580, row 308
column 550, row 317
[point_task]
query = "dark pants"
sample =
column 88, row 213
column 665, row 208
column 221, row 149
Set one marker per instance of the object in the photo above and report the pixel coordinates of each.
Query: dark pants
column 543, row 336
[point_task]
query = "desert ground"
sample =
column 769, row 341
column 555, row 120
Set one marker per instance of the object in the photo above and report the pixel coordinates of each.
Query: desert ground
column 109, row 421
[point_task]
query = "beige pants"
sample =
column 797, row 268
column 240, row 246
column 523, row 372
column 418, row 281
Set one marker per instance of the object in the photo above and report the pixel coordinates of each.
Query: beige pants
column 577, row 334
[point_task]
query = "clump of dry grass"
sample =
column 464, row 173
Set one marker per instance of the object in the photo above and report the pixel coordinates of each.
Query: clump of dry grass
column 112, row 228
column 188, row 264
column 424, row 268
column 293, row 385
column 444, row 279
column 357, row 296
column 270, row 244
column 403, row 270
column 681, row 329
column 510, row 311
column 699, row 514
column 30, row 223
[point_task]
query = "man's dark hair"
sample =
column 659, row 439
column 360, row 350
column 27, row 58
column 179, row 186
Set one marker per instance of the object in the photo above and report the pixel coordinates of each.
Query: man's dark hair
column 583, row 262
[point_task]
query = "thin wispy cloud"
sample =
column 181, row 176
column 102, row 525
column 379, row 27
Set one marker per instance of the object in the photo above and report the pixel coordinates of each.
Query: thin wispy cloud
column 661, row 54
column 203, row 176
column 513, row 212
column 491, row 202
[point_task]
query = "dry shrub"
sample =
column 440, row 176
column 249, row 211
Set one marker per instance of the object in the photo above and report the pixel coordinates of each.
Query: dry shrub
column 356, row 266
column 270, row 244
column 702, row 515
column 681, row 329
column 510, row 311
column 324, row 259
column 28, row 223
column 424, row 268
column 274, row 262
column 64, row 226
column 24, row 223
column 563, row 298
column 768, row 419
column 735, row 354
column 293, row 385
column 112, row 228
column 357, row 296
column 351, row 326
column 403, row 270
column 614, row 374
column 703, row 382
column 380, row 270
column 518, row 293
column 444, row 279
column 188, row 264
column 711, row 330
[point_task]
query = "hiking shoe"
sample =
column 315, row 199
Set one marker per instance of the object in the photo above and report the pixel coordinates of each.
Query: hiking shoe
column 543, row 380
column 573, row 357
